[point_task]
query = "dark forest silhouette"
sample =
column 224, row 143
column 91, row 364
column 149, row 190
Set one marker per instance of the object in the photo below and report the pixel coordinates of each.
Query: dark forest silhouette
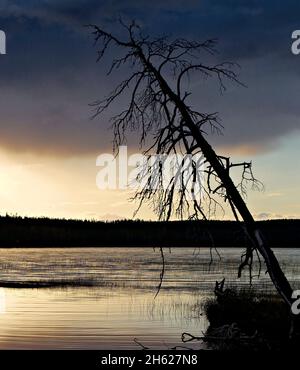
column 47, row 232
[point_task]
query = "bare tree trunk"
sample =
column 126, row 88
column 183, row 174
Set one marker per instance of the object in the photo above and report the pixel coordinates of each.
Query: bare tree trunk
column 276, row 274
column 152, row 75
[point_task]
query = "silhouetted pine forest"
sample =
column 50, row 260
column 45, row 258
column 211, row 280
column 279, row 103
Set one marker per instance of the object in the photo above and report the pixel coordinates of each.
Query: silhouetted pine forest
column 45, row 232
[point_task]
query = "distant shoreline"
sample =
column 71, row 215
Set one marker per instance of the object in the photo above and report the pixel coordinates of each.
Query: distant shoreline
column 45, row 284
column 26, row 232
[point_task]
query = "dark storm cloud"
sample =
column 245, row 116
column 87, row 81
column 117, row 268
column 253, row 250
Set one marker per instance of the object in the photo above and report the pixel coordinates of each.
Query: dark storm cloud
column 49, row 75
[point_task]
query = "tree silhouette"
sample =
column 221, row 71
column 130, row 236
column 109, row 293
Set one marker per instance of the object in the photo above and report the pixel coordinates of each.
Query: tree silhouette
column 158, row 104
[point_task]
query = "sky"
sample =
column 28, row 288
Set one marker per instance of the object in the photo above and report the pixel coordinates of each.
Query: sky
column 49, row 76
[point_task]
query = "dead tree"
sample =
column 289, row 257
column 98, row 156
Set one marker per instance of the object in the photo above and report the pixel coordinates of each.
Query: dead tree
column 158, row 108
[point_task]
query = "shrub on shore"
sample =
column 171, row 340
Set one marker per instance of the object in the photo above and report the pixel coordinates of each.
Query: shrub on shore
column 246, row 320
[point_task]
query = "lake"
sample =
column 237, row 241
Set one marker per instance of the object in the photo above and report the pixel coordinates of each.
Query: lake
column 118, row 303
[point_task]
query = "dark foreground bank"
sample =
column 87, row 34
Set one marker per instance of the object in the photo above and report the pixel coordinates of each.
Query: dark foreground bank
column 248, row 320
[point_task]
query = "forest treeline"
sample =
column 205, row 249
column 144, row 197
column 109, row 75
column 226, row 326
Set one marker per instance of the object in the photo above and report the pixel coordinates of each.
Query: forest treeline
column 45, row 232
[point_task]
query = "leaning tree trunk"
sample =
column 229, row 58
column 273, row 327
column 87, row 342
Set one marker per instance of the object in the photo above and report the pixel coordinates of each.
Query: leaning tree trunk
column 255, row 235
column 276, row 274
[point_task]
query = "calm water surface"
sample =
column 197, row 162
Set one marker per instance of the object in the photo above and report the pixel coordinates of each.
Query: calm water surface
column 119, row 305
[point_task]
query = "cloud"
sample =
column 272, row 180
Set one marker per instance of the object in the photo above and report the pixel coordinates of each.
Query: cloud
column 273, row 216
column 267, row 216
column 274, row 194
column 110, row 217
column 49, row 75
